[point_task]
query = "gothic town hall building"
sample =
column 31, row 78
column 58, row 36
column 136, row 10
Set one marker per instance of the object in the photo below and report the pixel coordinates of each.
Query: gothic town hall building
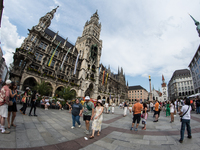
column 80, row 68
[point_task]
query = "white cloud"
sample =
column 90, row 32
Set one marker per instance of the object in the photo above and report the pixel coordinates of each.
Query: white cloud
column 10, row 39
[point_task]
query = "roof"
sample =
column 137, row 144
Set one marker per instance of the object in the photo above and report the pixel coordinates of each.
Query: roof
column 58, row 37
column 181, row 72
column 137, row 87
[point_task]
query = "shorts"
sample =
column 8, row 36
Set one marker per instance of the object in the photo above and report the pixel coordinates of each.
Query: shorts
column 4, row 110
column 12, row 108
column 156, row 112
column 86, row 118
column 130, row 108
column 137, row 117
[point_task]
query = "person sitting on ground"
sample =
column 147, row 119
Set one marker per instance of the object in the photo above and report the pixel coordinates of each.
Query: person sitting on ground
column 47, row 104
column 59, row 104
column 53, row 104
column 42, row 102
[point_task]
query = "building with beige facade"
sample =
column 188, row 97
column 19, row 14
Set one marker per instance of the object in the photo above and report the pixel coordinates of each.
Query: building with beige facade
column 137, row 92
column 77, row 66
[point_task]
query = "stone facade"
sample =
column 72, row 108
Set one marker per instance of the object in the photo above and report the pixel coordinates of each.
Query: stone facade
column 137, row 92
column 31, row 62
column 180, row 84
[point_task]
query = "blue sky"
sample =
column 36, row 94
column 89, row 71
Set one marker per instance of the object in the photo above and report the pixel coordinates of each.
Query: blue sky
column 145, row 37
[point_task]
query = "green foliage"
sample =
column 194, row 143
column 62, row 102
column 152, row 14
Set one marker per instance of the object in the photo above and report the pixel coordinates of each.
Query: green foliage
column 43, row 88
column 67, row 93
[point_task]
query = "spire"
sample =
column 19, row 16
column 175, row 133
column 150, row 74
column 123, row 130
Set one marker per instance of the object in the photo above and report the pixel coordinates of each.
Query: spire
column 55, row 36
column 197, row 24
column 127, row 82
column 163, row 79
column 65, row 43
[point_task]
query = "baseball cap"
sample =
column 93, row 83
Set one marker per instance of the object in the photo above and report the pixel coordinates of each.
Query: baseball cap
column 87, row 98
column 27, row 88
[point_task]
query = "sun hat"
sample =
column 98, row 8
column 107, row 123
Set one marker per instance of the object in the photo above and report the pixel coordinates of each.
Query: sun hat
column 8, row 81
column 87, row 98
column 100, row 101
column 27, row 88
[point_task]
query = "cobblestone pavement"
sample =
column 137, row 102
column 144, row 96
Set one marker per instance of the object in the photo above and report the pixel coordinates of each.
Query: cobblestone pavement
column 52, row 130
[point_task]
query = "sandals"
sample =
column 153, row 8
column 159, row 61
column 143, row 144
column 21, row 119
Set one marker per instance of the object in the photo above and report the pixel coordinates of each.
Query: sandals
column 8, row 127
column 91, row 137
column 13, row 125
column 98, row 134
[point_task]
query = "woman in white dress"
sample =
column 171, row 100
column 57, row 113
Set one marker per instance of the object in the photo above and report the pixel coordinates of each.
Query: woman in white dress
column 98, row 118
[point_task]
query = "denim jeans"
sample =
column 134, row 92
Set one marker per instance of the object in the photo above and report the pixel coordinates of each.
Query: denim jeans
column 76, row 119
column 187, row 123
column 198, row 109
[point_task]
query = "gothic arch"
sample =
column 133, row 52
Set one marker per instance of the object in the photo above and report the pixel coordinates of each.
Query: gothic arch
column 29, row 82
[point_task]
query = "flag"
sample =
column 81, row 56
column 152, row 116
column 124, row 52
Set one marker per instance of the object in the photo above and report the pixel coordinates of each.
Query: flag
column 106, row 78
column 49, row 64
column 76, row 63
column 65, row 58
column 100, row 69
column 103, row 77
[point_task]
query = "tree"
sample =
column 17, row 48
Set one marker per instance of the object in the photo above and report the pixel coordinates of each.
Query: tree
column 67, row 93
column 43, row 88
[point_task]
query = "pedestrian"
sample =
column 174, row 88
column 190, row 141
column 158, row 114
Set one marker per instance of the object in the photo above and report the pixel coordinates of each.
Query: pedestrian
column 33, row 103
column 106, row 107
column 4, row 101
column 76, row 109
column 13, row 108
column 145, row 115
column 0, row 83
column 23, row 109
column 125, row 109
column 156, row 111
column 151, row 106
column 88, row 111
column 167, row 109
column 130, row 107
column 137, row 108
column 98, row 118
column 185, row 115
column 172, row 109
column 198, row 105
column 113, row 108
column 59, row 104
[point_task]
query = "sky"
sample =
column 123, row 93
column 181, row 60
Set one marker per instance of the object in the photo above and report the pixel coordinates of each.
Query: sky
column 144, row 37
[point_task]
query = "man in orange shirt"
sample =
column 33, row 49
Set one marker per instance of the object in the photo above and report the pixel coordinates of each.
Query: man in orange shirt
column 156, row 111
column 137, row 108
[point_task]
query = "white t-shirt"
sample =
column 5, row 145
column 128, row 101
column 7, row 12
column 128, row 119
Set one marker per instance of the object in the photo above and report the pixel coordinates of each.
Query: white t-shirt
column 183, row 110
column 171, row 108
column 151, row 104
column 106, row 104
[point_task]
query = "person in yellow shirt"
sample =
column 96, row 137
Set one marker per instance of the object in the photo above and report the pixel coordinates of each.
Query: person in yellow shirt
column 156, row 111
column 137, row 108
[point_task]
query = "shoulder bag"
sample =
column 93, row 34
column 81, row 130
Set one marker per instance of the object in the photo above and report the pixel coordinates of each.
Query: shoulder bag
column 184, row 114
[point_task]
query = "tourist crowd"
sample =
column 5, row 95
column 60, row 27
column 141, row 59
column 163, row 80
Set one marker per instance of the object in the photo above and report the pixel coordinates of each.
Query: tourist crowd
column 8, row 108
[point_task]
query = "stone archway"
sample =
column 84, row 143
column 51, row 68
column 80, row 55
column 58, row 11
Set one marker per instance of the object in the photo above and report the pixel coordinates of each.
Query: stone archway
column 98, row 97
column 51, row 91
column 88, row 92
column 58, row 89
column 29, row 82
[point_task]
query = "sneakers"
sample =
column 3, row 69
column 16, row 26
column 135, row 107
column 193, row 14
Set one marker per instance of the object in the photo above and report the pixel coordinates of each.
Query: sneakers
column 79, row 126
column 46, row 108
column 6, row 132
column 35, row 115
column 131, row 128
column 136, row 129
column 155, row 121
column 189, row 137
column 87, row 132
column 72, row 127
column 180, row 141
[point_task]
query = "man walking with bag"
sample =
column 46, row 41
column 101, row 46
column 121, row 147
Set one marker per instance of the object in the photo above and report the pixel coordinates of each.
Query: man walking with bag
column 88, row 112
column 4, row 101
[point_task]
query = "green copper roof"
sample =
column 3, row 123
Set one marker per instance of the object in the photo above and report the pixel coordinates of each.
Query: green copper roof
column 196, row 22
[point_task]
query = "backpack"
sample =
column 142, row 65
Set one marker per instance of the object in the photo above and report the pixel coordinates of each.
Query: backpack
column 2, row 95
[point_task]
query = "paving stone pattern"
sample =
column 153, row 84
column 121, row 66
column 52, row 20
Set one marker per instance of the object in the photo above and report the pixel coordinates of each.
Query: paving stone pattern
column 51, row 130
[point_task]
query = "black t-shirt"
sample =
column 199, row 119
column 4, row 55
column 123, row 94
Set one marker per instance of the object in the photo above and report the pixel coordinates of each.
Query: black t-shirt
column 76, row 109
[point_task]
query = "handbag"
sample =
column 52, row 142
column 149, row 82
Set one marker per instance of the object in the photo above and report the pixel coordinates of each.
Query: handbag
column 23, row 99
column 10, row 103
column 184, row 114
